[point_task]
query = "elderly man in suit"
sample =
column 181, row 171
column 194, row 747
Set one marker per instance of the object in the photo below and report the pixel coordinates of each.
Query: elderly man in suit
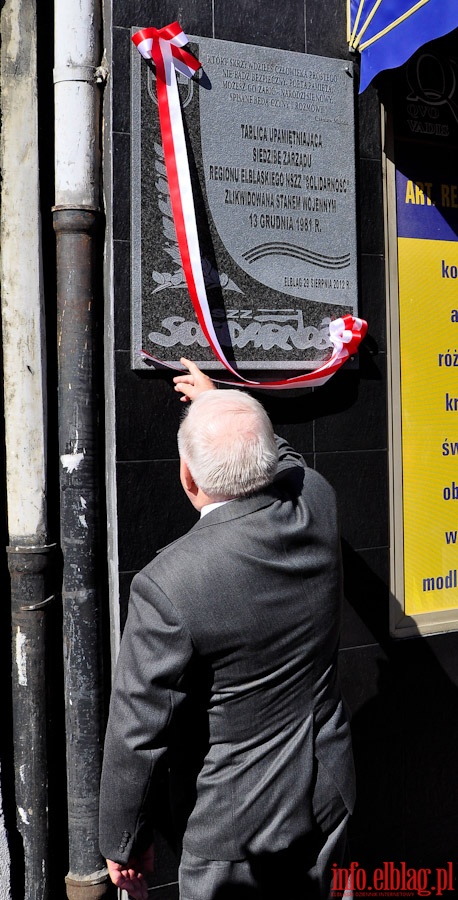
column 232, row 637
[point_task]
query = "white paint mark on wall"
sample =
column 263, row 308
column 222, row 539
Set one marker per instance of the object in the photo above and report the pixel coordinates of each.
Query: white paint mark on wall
column 21, row 657
column 71, row 461
column 23, row 814
column 83, row 521
column 83, row 502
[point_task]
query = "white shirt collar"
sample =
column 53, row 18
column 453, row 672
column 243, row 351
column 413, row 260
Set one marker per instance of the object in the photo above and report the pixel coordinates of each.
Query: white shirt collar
column 208, row 508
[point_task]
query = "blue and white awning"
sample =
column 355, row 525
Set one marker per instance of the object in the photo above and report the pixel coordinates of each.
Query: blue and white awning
column 388, row 32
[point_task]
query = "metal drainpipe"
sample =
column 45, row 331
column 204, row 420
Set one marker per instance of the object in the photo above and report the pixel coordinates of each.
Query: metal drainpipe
column 24, row 370
column 76, row 214
column 28, row 568
column 80, row 542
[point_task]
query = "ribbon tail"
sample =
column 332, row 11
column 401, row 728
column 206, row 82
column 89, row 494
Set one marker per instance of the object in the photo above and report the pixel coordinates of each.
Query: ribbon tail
column 316, row 378
column 181, row 197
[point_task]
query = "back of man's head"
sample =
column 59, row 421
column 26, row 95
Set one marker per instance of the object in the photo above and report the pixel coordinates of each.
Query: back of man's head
column 228, row 444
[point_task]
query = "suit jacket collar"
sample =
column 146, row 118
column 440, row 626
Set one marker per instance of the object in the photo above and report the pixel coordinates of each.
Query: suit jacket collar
column 241, row 506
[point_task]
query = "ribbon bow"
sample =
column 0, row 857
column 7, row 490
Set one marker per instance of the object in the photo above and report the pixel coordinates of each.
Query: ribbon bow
column 152, row 43
column 165, row 47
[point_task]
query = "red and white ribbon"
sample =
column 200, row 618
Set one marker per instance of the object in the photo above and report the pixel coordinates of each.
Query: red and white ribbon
column 164, row 47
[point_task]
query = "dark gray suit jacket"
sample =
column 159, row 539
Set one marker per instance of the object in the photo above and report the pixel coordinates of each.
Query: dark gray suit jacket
column 228, row 668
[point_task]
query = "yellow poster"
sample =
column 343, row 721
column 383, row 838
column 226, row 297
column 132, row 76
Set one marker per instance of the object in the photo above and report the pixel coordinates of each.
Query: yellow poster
column 428, row 302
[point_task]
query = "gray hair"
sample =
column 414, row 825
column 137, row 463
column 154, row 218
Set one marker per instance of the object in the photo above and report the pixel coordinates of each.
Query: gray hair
column 228, row 443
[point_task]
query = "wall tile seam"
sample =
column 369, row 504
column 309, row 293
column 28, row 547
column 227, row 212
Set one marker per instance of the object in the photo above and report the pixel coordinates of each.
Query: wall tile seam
column 121, row 349
column 321, row 453
column 370, row 158
column 366, row 549
column 367, row 646
column 133, row 24
column 375, row 547
column 154, row 460
column 380, row 353
column 168, row 459
column 304, row 9
column 374, row 161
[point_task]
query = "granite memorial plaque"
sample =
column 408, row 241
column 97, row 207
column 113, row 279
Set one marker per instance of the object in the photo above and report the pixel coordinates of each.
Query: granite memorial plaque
column 270, row 138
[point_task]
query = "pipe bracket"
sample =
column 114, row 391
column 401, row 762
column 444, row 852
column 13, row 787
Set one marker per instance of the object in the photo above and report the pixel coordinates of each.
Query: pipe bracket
column 75, row 73
column 41, row 605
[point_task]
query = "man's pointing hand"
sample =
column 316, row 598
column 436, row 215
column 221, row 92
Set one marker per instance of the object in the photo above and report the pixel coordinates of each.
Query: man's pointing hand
column 193, row 383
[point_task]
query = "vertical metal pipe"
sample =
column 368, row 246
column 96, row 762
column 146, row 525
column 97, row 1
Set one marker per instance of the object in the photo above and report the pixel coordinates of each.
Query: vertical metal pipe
column 80, row 542
column 77, row 184
column 24, row 356
column 28, row 568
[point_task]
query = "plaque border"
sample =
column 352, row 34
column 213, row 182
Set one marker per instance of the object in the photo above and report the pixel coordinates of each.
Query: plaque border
column 290, row 368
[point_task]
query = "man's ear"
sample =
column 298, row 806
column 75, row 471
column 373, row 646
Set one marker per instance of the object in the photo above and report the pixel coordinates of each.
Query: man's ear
column 187, row 481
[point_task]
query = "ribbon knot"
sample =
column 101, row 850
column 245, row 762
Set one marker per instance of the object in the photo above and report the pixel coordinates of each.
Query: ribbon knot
column 348, row 331
column 148, row 42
